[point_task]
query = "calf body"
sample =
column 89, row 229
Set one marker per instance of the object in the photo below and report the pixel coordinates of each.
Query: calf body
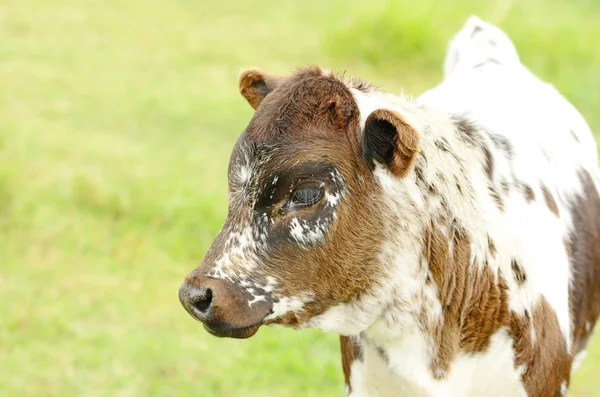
column 454, row 240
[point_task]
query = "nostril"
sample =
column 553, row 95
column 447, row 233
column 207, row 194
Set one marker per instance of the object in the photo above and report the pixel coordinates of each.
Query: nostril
column 203, row 300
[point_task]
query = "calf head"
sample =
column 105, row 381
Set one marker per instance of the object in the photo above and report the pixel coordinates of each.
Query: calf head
column 305, row 222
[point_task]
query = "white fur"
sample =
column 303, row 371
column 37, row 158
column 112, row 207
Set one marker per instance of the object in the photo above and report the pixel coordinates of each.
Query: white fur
column 239, row 258
column 287, row 305
column 563, row 388
column 333, row 199
column 406, row 374
column 244, row 174
column 577, row 360
column 306, row 233
column 476, row 44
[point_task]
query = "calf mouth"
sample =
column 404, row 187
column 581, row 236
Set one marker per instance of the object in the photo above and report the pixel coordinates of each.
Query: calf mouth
column 236, row 333
column 288, row 320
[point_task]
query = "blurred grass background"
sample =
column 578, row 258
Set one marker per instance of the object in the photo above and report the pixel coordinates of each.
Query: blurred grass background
column 117, row 118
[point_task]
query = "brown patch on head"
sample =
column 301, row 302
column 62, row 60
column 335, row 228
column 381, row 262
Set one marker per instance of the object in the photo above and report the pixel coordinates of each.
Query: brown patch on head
column 390, row 140
column 547, row 361
column 550, row 201
column 518, row 272
column 351, row 351
column 583, row 249
column 474, row 303
column 255, row 85
column 307, row 105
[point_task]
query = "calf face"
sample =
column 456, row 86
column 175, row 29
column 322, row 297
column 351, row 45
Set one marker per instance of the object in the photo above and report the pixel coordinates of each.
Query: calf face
column 305, row 226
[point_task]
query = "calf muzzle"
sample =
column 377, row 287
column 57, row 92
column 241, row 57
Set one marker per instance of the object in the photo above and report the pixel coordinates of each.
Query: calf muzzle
column 225, row 309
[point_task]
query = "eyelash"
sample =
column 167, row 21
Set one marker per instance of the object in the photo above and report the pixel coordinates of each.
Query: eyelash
column 305, row 197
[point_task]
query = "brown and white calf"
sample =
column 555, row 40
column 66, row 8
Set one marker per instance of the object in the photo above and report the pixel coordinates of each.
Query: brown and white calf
column 452, row 240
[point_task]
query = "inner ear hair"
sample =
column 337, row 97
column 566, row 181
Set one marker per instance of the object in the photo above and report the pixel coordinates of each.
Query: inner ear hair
column 391, row 141
column 255, row 85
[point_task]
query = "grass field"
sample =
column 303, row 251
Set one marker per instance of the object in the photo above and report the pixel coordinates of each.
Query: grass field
column 117, row 118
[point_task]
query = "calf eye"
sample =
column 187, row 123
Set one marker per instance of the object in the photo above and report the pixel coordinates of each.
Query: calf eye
column 305, row 197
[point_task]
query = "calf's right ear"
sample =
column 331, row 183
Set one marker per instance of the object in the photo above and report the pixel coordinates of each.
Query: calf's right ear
column 255, row 85
column 389, row 140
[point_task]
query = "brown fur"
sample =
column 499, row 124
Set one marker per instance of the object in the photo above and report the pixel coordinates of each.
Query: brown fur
column 550, row 201
column 527, row 191
column 547, row 361
column 308, row 104
column 518, row 272
column 496, row 196
column 351, row 351
column 474, row 304
column 491, row 247
column 584, row 253
column 488, row 165
column 475, row 307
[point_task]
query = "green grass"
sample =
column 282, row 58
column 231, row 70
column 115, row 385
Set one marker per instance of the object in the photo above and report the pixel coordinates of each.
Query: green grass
column 116, row 122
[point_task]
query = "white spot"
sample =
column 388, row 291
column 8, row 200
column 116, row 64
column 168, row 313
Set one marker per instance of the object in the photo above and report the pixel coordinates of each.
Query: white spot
column 271, row 283
column 578, row 360
column 238, row 257
column 563, row 388
column 257, row 298
column 296, row 230
column 287, row 305
column 244, row 174
column 306, row 233
column 333, row 199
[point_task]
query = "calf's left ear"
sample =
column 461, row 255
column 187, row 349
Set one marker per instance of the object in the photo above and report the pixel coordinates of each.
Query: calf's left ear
column 389, row 140
column 255, row 85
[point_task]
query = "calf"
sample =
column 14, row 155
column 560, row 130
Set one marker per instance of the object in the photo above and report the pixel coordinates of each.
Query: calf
column 453, row 240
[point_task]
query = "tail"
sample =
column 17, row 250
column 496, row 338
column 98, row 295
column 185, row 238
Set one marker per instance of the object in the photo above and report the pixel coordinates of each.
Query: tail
column 477, row 44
